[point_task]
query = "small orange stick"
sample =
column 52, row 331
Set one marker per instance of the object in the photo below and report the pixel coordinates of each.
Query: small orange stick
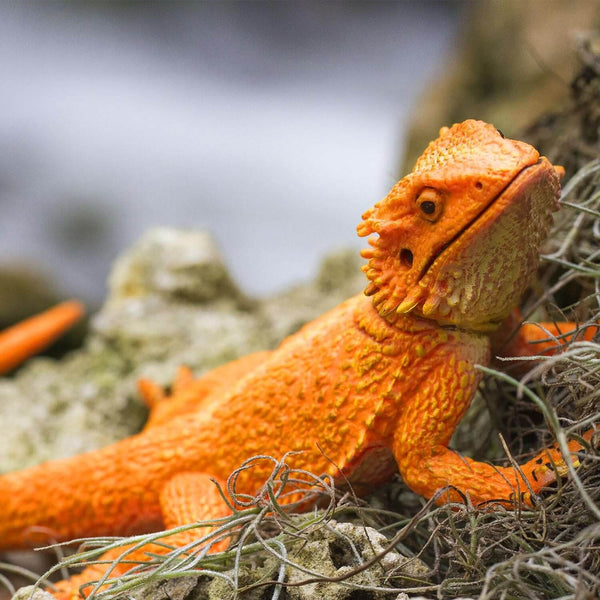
column 19, row 342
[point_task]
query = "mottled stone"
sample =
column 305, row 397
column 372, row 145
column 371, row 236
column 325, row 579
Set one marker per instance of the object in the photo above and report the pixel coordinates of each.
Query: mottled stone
column 25, row 593
column 333, row 550
column 337, row 550
column 169, row 589
column 175, row 264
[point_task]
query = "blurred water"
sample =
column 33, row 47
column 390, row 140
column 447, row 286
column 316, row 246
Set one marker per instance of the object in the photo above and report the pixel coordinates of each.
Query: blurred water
column 275, row 125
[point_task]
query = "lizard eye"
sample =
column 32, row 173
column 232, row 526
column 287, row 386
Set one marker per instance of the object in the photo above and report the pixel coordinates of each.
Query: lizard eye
column 429, row 202
column 428, row 207
column 500, row 132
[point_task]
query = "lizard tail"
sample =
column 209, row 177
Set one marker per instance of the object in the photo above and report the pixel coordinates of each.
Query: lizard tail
column 89, row 494
column 29, row 337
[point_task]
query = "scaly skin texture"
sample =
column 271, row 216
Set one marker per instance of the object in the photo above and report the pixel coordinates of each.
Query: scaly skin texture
column 374, row 385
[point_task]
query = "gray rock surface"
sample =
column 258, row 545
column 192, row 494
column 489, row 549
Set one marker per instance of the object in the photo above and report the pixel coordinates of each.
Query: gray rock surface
column 336, row 551
column 25, row 593
column 330, row 551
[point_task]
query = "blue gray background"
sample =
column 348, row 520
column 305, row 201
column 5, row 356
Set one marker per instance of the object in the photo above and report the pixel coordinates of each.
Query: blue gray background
column 274, row 125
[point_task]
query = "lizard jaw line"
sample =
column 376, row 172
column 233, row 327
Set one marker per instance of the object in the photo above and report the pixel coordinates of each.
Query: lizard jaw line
column 447, row 294
column 468, row 227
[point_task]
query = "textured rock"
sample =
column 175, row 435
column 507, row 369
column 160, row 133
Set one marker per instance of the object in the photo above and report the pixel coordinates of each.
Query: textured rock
column 53, row 409
column 336, row 551
column 25, row 594
column 173, row 263
column 329, row 551
column 175, row 589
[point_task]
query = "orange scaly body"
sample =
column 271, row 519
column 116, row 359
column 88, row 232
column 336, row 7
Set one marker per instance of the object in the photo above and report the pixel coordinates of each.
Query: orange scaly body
column 371, row 386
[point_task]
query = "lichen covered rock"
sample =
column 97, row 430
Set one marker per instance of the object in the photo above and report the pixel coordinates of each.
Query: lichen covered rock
column 25, row 593
column 335, row 550
column 338, row 551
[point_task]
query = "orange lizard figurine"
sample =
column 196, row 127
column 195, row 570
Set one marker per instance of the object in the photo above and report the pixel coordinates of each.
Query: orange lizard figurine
column 375, row 385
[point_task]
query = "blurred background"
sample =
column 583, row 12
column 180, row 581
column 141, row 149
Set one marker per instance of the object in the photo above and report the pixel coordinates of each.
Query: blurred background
column 272, row 124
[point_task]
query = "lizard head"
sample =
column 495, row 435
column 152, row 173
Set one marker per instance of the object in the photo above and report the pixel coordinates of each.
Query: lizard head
column 458, row 239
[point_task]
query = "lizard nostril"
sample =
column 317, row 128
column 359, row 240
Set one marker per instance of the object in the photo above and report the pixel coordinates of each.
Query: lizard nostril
column 406, row 257
column 479, row 185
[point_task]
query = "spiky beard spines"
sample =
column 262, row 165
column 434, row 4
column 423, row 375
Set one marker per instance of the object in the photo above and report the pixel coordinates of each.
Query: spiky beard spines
column 386, row 222
column 388, row 284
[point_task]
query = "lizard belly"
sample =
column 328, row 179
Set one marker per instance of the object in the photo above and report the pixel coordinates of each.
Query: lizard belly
column 374, row 467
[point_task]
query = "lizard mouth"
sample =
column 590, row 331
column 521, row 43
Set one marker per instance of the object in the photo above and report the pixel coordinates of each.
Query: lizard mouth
column 475, row 277
column 510, row 192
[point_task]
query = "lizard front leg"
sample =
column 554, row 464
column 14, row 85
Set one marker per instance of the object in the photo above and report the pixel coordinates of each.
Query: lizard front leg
column 426, row 463
column 537, row 339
